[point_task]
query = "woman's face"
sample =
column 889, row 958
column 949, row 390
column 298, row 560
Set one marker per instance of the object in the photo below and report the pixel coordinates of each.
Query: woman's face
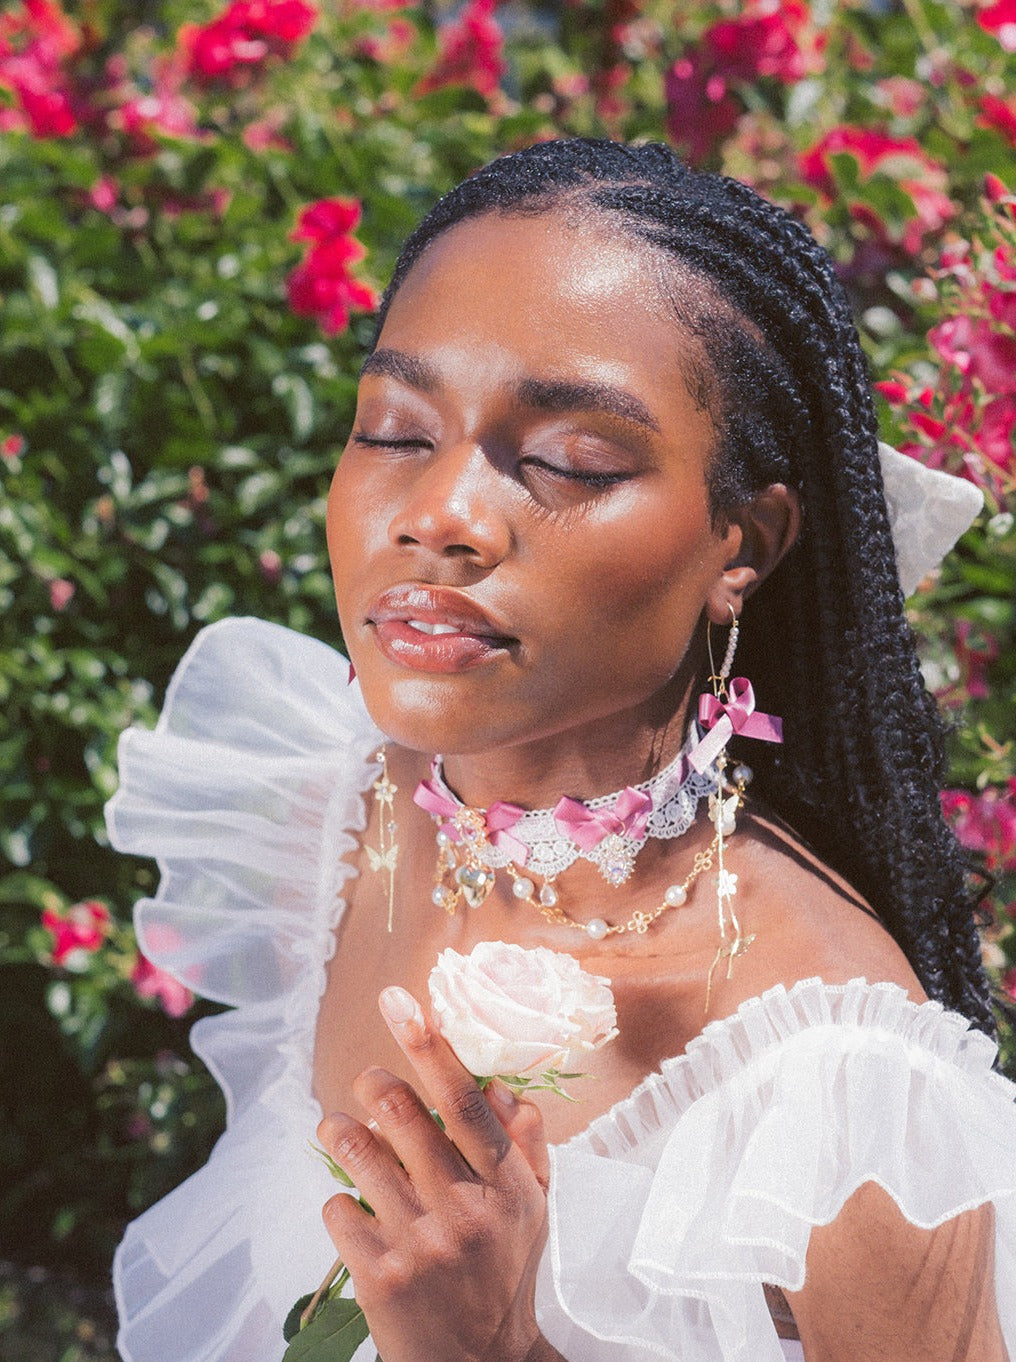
column 519, row 525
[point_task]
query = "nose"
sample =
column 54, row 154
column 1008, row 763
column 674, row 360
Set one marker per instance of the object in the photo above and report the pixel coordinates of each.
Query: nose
column 455, row 508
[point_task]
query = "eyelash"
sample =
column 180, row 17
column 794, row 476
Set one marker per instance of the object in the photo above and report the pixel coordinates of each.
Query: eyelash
column 599, row 481
column 373, row 442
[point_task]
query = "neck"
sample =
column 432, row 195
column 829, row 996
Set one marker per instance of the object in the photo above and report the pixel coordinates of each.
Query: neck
column 595, row 759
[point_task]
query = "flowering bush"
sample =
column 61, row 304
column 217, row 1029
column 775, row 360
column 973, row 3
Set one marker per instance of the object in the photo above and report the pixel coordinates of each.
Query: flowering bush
column 200, row 203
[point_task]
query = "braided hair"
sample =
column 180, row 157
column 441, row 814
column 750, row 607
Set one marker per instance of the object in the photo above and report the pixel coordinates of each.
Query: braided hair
column 827, row 643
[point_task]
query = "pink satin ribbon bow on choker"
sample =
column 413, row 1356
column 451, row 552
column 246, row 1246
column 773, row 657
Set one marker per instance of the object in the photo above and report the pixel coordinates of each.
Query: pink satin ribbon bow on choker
column 588, row 827
column 498, row 820
column 725, row 718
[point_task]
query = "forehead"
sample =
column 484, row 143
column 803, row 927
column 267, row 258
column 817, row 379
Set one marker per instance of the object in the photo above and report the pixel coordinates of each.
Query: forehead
column 562, row 291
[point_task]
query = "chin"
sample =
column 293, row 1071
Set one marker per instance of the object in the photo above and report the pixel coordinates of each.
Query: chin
column 428, row 715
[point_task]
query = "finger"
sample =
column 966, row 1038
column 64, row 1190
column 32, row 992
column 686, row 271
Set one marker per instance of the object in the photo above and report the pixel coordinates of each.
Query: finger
column 468, row 1117
column 523, row 1124
column 373, row 1167
column 408, row 1128
column 356, row 1234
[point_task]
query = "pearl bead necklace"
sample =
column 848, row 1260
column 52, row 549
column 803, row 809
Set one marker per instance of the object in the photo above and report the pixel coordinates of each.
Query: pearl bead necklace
column 464, row 850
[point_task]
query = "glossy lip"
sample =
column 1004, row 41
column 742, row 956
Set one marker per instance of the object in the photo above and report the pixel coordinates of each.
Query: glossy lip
column 478, row 636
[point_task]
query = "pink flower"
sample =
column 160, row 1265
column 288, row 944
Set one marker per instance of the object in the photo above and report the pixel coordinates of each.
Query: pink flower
column 776, row 41
column 999, row 114
column 264, row 135
column 35, row 44
column 61, row 592
column 322, row 285
column 975, row 654
column 83, row 928
column 270, row 565
column 767, row 40
column 985, row 823
column 900, row 158
column 469, row 52
column 994, row 434
column 154, row 983
column 509, row 1011
column 389, row 46
column 905, row 96
column 701, row 111
column 1000, row 19
column 12, row 446
column 102, row 194
column 244, row 35
column 977, row 351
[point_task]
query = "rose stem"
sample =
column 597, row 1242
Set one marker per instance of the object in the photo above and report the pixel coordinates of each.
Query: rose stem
column 309, row 1311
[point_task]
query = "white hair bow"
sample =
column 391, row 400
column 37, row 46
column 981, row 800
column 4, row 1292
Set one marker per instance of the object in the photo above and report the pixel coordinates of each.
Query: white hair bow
column 928, row 511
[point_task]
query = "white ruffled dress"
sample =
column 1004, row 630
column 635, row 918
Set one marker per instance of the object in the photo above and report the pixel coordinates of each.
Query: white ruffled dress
column 667, row 1215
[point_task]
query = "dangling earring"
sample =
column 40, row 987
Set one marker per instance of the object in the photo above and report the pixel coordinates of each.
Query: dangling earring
column 723, row 711
column 387, row 854
column 723, row 808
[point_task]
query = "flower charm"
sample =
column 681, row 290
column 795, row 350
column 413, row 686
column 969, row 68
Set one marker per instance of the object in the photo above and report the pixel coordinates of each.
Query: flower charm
column 726, row 883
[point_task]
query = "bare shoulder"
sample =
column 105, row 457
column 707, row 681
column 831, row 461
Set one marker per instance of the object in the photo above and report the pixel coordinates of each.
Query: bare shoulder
column 806, row 921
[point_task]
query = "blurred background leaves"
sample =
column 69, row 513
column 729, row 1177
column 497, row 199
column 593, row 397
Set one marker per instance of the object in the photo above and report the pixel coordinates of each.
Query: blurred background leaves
column 178, row 358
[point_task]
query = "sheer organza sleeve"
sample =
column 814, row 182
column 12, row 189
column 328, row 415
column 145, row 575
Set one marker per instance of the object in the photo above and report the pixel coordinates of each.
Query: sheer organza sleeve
column 249, row 793
column 670, row 1213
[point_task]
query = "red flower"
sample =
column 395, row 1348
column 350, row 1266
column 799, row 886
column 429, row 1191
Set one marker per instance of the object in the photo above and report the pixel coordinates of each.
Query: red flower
column 899, row 158
column 325, row 219
column 11, row 446
column 1000, row 19
column 35, row 44
column 322, row 285
column 999, row 114
column 469, row 52
column 83, row 927
column 244, row 35
column 152, row 982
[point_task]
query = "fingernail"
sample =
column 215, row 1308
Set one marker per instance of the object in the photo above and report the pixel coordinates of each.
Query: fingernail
column 501, row 1095
column 399, row 1007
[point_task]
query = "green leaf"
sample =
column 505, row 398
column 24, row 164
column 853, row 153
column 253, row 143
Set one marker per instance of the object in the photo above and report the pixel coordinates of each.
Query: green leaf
column 333, row 1335
column 291, row 1326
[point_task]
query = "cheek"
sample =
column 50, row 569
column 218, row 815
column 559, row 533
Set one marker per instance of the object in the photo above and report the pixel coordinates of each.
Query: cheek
column 652, row 563
column 353, row 525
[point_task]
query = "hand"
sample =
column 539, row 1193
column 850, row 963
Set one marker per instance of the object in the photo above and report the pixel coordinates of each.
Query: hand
column 446, row 1268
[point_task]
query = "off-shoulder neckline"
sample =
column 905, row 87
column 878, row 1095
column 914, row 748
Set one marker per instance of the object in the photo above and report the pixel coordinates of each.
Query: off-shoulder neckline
column 757, row 1029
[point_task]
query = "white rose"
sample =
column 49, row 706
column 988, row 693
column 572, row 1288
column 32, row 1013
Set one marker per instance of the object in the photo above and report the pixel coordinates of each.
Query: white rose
column 506, row 1010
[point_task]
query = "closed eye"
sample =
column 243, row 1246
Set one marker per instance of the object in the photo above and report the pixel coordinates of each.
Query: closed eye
column 589, row 478
column 383, row 442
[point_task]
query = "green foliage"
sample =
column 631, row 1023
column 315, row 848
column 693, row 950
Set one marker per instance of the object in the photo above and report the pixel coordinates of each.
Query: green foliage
column 168, row 427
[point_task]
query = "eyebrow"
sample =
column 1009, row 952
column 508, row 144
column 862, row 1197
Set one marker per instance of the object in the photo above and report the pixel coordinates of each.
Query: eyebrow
column 554, row 395
column 559, row 396
column 416, row 373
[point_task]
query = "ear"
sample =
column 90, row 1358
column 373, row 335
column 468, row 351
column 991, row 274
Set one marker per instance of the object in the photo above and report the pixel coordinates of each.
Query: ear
column 760, row 533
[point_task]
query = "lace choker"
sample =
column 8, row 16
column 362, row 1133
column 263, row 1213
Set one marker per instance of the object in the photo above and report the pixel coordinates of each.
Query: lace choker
column 608, row 831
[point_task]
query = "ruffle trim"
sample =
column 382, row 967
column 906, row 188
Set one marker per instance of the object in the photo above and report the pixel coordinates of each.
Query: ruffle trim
column 248, row 793
column 669, row 1212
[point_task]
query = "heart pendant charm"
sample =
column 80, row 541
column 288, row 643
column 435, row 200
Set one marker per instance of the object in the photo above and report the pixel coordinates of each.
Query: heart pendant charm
column 476, row 882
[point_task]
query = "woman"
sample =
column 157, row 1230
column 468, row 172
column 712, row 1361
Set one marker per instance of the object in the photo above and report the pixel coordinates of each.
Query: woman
column 614, row 410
